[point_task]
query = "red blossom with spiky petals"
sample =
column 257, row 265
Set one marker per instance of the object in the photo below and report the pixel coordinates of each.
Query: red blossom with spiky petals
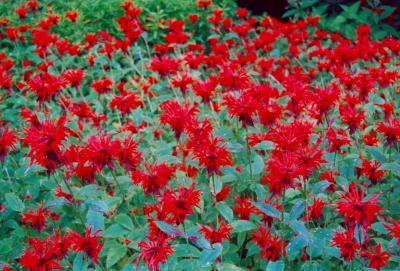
column 377, row 257
column 180, row 204
column 8, row 141
column 36, row 219
column 218, row 234
column 154, row 252
column 90, row 243
column 271, row 246
column 346, row 243
column 356, row 208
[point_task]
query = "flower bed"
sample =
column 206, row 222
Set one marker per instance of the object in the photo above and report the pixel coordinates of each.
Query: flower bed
column 219, row 142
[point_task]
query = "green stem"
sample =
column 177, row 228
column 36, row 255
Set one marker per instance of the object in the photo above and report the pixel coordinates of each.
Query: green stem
column 119, row 186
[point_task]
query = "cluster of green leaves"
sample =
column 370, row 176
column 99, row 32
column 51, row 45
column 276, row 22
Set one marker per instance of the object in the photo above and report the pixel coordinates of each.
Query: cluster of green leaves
column 344, row 16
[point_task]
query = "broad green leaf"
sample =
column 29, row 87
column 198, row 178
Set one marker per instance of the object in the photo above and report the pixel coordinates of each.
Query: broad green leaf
column 265, row 145
column 169, row 229
column 296, row 245
column 79, row 263
column 243, row 225
column 276, row 266
column 258, row 164
column 297, row 210
column 95, row 220
column 376, row 153
column 125, row 221
column 208, row 256
column 114, row 231
column 231, row 267
column 225, row 211
column 267, row 209
column 14, row 203
column 116, row 252
column 301, row 229
column 379, row 227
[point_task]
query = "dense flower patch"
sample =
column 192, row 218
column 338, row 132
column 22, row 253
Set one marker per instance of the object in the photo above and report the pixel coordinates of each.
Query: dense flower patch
column 233, row 143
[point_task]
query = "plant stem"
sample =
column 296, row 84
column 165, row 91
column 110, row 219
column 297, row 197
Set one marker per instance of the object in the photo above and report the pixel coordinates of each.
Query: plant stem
column 119, row 185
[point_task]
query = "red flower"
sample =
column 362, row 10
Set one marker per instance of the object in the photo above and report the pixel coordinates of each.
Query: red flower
column 156, row 177
column 205, row 90
column 356, row 209
column 154, row 252
column 394, row 230
column 72, row 15
column 391, row 130
column 40, row 256
column 126, row 102
column 212, row 154
column 126, row 153
column 314, row 211
column 99, row 151
column 204, row 3
column 244, row 107
column 8, row 140
column 164, row 65
column 272, row 248
column 74, row 77
column 337, row 139
column 5, row 267
column 182, row 82
column 46, row 86
column 88, row 244
column 178, row 116
column 21, row 11
column 45, row 140
column 346, row 243
column 223, row 194
column 102, row 86
column 377, row 257
column 36, row 219
column 283, row 168
column 371, row 171
column 60, row 243
column 244, row 207
column 180, row 204
column 222, row 232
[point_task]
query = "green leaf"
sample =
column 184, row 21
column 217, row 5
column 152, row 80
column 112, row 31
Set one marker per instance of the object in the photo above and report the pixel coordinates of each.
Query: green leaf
column 169, row 229
column 88, row 191
column 200, row 241
column 125, row 221
column 267, row 209
column 79, row 263
column 116, row 252
column 14, row 203
column 387, row 11
column 354, row 8
column 242, row 225
column 258, row 164
column 296, row 245
column 276, row 266
column 320, row 187
column 265, row 145
column 379, row 227
column 376, row 153
column 301, row 229
column 225, row 211
column 208, row 256
column 95, row 220
column 114, row 231
column 231, row 267
column 297, row 210
column 394, row 167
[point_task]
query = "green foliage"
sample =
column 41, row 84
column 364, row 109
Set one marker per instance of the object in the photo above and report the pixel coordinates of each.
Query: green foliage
column 344, row 16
